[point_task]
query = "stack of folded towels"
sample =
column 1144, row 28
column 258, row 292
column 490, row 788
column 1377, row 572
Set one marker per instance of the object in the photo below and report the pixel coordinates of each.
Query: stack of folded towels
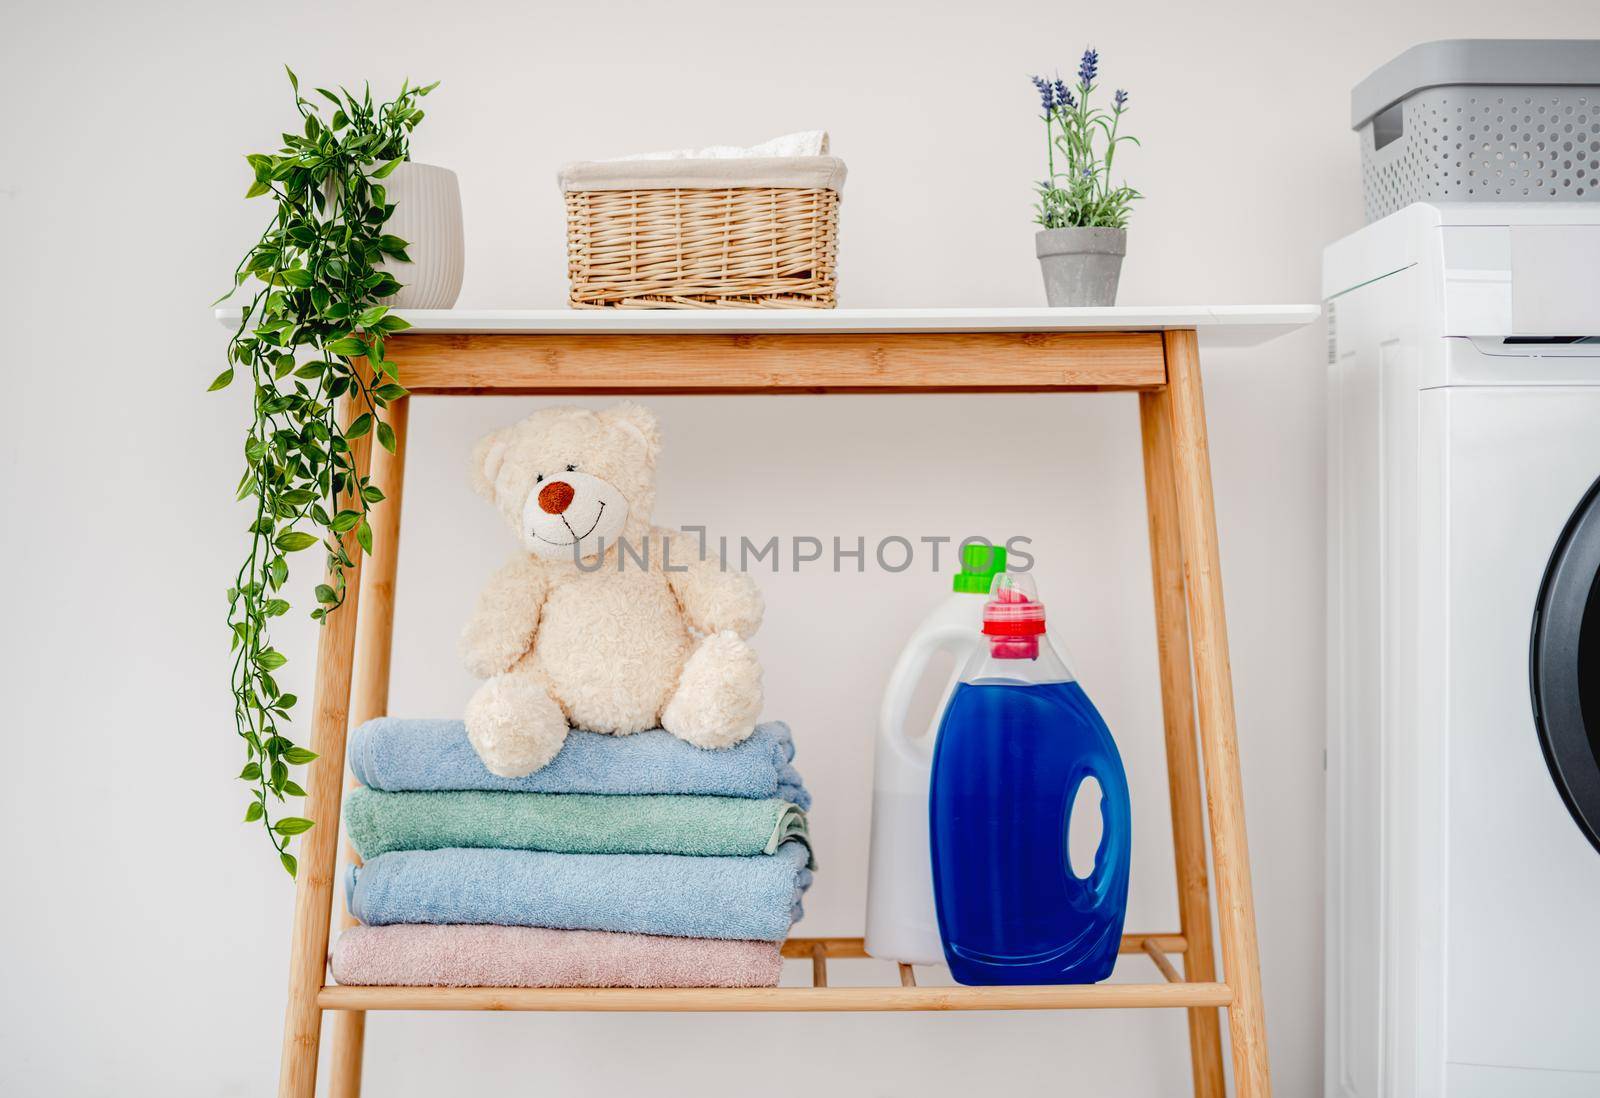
column 628, row 861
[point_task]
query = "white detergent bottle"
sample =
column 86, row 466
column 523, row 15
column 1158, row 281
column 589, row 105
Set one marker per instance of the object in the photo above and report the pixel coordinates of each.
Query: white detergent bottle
column 901, row 923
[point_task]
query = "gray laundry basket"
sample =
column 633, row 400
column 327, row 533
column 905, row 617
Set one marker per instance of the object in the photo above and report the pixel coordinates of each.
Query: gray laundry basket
column 1480, row 120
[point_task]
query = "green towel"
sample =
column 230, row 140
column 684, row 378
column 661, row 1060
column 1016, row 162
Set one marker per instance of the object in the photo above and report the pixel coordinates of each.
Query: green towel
column 570, row 823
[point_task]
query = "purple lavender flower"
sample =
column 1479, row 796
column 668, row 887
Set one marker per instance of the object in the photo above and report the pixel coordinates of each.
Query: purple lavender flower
column 1088, row 67
column 1045, row 96
column 1064, row 95
column 1120, row 99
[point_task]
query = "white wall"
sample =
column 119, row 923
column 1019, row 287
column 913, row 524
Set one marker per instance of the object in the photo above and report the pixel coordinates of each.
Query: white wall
column 145, row 932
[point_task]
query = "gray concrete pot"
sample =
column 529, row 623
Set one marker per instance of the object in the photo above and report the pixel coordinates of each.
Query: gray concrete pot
column 1081, row 266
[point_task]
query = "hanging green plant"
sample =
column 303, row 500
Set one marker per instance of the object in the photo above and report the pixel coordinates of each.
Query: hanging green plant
column 312, row 342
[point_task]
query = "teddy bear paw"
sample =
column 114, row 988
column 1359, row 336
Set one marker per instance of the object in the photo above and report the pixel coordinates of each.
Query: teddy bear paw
column 514, row 725
column 719, row 693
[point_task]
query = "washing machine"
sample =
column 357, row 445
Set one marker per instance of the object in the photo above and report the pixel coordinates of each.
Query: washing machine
column 1463, row 747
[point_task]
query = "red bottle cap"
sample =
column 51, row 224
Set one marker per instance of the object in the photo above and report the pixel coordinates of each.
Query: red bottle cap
column 1013, row 618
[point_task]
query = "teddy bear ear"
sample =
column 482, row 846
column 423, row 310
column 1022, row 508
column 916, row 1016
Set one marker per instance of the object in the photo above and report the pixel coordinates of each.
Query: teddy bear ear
column 487, row 458
column 636, row 420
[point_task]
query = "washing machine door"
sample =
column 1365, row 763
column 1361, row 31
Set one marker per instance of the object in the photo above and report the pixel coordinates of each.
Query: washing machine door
column 1565, row 665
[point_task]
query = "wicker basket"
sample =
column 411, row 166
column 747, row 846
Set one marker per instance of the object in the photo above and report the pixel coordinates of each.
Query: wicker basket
column 652, row 234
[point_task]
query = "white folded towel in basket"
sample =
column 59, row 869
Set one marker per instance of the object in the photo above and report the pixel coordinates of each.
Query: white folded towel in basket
column 706, row 172
column 805, row 143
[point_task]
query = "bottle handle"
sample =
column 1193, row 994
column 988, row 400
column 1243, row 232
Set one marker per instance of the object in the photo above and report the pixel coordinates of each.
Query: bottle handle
column 903, row 680
column 1089, row 892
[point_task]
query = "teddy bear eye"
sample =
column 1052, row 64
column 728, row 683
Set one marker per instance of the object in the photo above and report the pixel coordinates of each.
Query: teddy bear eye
column 572, row 468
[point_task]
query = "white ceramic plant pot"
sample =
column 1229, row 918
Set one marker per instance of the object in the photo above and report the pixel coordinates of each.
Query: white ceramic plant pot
column 427, row 215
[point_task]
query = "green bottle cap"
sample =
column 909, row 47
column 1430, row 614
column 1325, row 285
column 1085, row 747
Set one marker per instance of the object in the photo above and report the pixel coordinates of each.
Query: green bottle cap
column 979, row 565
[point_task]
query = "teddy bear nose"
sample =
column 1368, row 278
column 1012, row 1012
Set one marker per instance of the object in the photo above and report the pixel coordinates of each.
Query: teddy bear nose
column 555, row 497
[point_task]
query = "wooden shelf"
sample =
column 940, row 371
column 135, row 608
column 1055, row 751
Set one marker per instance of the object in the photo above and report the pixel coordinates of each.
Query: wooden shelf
column 1154, row 350
column 555, row 352
column 1218, row 325
column 453, row 364
column 819, row 997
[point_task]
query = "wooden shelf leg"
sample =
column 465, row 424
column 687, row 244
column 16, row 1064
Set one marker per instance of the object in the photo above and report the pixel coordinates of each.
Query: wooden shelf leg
column 1183, row 760
column 369, row 696
column 1218, row 741
column 318, row 856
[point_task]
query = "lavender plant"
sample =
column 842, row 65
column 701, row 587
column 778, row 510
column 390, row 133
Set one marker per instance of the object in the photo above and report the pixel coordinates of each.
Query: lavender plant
column 1080, row 145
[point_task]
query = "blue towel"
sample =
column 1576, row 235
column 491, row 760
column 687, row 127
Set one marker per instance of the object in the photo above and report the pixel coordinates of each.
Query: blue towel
column 673, row 894
column 397, row 755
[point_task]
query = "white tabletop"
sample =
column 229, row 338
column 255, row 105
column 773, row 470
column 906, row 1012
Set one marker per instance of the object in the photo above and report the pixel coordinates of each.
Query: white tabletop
column 1218, row 325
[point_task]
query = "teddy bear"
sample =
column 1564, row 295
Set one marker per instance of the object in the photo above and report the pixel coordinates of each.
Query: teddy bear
column 600, row 621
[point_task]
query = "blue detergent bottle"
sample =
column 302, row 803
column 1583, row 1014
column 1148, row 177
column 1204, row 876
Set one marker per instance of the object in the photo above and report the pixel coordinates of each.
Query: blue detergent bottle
column 1018, row 741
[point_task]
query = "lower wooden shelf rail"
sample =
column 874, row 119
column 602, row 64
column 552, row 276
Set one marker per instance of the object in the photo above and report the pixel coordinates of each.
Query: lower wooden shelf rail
column 821, row 996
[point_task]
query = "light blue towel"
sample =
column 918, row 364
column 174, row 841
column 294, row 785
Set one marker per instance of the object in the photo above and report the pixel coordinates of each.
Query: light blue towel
column 397, row 755
column 673, row 894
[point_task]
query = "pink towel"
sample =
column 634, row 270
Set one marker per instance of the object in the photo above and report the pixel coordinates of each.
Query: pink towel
column 524, row 956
